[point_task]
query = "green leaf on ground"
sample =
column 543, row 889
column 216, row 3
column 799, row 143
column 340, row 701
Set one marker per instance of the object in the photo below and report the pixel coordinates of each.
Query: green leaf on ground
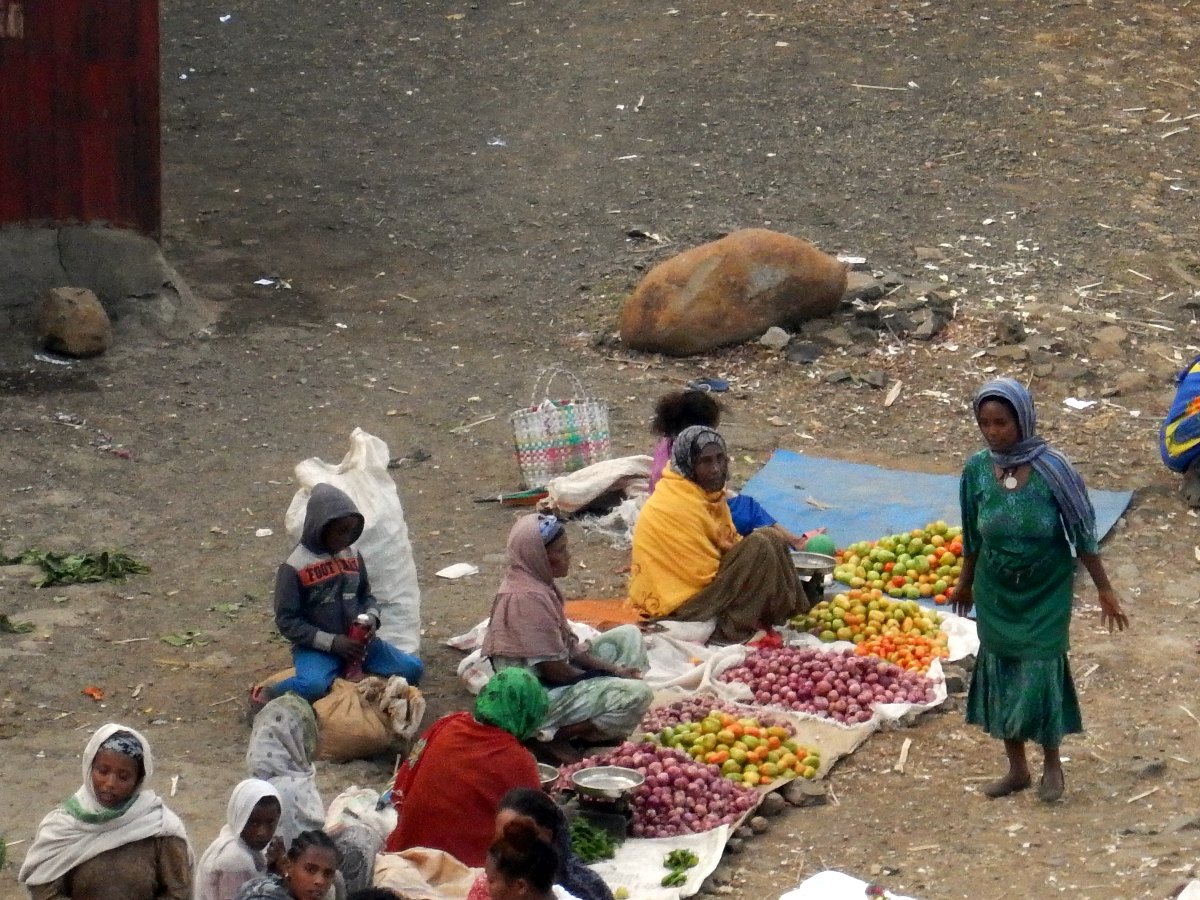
column 185, row 639
column 78, row 568
column 8, row 626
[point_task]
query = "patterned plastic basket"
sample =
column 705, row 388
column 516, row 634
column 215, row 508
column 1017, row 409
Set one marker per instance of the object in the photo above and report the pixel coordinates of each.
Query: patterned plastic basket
column 554, row 437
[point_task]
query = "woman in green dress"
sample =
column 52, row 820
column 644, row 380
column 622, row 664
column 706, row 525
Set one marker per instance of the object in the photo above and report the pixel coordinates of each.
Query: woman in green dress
column 1026, row 519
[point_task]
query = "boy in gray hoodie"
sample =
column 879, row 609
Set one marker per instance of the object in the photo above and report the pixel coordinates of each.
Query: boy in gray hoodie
column 319, row 591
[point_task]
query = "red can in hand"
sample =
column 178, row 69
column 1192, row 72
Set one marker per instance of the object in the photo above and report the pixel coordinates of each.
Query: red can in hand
column 360, row 630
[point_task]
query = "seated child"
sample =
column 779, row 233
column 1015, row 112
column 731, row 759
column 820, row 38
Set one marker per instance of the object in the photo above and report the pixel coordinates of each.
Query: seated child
column 237, row 856
column 319, row 591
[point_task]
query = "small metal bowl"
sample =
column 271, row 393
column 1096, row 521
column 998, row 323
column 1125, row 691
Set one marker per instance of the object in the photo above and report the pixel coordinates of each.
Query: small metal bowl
column 807, row 563
column 607, row 782
column 547, row 774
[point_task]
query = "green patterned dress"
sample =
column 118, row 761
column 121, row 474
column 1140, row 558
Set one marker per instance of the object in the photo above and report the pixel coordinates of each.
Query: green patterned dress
column 1024, row 575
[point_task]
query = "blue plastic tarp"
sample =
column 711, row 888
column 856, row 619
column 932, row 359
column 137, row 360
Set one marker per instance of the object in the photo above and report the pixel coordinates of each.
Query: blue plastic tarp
column 867, row 502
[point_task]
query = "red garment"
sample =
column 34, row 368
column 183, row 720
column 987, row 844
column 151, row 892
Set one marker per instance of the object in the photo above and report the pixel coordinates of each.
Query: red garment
column 447, row 792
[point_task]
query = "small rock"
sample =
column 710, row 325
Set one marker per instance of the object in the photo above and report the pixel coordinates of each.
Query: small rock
column 929, row 254
column 775, row 338
column 735, row 846
column 744, row 832
column 1140, row 828
column 1110, row 334
column 837, row 336
column 956, row 679
column 772, row 804
column 930, row 324
column 759, row 825
column 837, row 376
column 1010, row 330
column 1010, row 351
column 723, row 875
column 1105, row 351
column 1148, row 768
column 72, row 321
column 803, row 352
column 1045, row 370
column 876, row 378
column 862, row 287
column 1185, row 822
column 1131, row 382
column 802, row 792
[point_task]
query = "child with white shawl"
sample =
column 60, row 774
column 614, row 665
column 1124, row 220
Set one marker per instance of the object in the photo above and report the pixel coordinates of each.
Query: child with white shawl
column 113, row 839
column 237, row 856
column 282, row 744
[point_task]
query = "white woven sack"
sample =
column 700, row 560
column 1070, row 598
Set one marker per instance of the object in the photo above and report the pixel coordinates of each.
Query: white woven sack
column 384, row 543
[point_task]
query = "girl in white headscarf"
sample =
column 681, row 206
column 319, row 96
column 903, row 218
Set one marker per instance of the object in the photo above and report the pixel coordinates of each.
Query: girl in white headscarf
column 113, row 839
column 237, row 855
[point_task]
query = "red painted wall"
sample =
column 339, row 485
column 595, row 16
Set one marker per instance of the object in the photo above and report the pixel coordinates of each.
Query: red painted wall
column 79, row 113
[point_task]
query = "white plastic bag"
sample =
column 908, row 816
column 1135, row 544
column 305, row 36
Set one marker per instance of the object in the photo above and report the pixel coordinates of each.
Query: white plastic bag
column 384, row 543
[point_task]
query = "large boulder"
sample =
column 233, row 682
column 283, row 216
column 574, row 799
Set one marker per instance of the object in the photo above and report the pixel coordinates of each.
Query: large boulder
column 73, row 321
column 729, row 291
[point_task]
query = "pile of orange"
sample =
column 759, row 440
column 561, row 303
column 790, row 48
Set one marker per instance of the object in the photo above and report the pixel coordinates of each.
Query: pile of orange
column 909, row 650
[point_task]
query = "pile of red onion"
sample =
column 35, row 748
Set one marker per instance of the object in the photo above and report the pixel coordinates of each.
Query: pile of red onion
column 679, row 796
column 839, row 686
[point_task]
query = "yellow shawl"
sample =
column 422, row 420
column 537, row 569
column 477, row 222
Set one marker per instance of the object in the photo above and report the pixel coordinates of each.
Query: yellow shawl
column 680, row 537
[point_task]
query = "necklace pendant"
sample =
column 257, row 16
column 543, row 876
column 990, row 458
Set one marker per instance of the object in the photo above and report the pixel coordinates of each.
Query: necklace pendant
column 1010, row 482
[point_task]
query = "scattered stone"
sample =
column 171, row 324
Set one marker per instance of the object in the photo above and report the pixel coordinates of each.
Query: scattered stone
column 1140, row 828
column 837, row 336
column 759, row 825
column 735, row 845
column 863, row 288
column 876, row 378
column 1010, row 330
column 929, row 325
column 956, row 679
column 1148, row 768
column 729, row 291
column 1010, row 351
column 803, row 792
column 837, row 376
column 803, row 352
column 721, row 876
column 891, row 279
column 72, row 321
column 772, row 804
column 1105, row 351
column 929, row 254
column 1110, row 334
column 1184, row 822
column 744, row 833
column 1131, row 382
column 1045, row 370
column 775, row 338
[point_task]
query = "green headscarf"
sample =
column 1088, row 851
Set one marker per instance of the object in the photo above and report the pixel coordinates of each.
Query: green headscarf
column 513, row 700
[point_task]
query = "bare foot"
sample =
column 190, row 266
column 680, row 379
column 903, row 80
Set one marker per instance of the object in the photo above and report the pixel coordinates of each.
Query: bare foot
column 1009, row 784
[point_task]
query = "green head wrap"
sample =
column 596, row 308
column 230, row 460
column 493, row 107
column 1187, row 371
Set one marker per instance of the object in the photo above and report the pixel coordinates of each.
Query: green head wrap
column 513, row 700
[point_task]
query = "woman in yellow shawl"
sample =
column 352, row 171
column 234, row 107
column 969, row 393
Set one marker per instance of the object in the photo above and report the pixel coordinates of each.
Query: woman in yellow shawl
column 688, row 561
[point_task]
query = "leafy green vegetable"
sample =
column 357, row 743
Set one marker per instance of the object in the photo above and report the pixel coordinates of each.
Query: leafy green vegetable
column 678, row 861
column 591, row 844
column 78, row 568
column 185, row 639
column 8, row 626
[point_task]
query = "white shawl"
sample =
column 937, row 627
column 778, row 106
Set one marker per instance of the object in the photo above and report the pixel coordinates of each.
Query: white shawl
column 63, row 842
column 229, row 858
column 282, row 743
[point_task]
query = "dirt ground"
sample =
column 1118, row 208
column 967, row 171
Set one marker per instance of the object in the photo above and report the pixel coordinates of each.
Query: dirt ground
column 447, row 186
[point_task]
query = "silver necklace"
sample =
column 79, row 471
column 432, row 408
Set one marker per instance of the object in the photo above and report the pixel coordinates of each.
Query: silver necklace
column 1010, row 479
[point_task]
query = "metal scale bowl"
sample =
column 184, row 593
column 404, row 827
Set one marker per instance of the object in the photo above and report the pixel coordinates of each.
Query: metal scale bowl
column 602, row 796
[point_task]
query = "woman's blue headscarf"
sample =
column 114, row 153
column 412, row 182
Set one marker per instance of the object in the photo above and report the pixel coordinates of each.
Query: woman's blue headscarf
column 1064, row 481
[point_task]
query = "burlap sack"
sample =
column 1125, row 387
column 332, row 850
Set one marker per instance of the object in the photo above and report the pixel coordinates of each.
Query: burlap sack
column 349, row 726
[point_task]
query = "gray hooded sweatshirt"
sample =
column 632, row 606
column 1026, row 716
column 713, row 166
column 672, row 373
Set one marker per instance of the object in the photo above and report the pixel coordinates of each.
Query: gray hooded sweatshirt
column 318, row 593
